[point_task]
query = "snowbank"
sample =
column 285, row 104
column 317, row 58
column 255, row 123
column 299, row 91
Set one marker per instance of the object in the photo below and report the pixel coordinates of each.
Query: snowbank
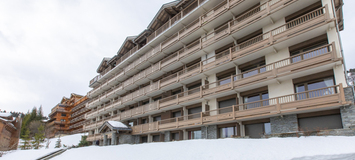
column 66, row 140
column 27, row 154
column 265, row 149
column 34, row 154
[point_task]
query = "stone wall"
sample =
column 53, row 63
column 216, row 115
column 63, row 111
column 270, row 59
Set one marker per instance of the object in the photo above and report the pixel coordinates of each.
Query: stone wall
column 126, row 139
column 209, row 132
column 284, row 124
column 348, row 112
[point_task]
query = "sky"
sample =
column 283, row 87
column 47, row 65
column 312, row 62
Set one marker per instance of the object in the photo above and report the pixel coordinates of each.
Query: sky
column 52, row 48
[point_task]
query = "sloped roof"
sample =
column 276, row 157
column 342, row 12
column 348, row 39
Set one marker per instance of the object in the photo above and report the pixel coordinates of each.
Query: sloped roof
column 5, row 115
column 115, row 125
column 104, row 60
column 162, row 10
column 127, row 41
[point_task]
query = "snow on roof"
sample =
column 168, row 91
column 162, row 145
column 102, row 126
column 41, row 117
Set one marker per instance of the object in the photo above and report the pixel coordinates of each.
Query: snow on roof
column 116, row 124
column 5, row 114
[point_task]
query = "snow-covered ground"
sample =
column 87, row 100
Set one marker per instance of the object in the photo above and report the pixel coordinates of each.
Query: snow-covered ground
column 34, row 154
column 304, row 148
column 66, row 140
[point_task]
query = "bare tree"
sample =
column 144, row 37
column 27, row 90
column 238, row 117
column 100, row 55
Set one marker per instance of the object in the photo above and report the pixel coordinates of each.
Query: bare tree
column 33, row 127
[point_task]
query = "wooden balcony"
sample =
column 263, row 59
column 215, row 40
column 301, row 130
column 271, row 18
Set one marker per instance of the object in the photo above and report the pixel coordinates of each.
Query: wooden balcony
column 241, row 22
column 295, row 27
column 319, row 99
column 319, row 56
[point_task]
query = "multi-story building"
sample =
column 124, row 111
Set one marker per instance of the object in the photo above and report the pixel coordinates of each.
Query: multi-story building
column 232, row 68
column 67, row 117
column 10, row 128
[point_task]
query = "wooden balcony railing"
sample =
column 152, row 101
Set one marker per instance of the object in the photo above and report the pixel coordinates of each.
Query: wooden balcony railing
column 328, row 97
column 232, row 27
column 323, row 54
column 277, row 35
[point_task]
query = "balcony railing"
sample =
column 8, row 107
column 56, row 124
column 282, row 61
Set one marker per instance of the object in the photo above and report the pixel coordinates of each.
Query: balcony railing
column 327, row 97
column 274, row 36
column 324, row 54
column 220, row 33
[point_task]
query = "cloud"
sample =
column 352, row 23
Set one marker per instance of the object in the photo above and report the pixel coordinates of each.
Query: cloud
column 49, row 49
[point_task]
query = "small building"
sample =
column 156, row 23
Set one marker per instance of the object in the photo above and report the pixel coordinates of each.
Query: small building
column 67, row 117
column 10, row 129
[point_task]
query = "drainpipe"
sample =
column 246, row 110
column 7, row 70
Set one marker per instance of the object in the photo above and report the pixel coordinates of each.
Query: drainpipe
column 341, row 47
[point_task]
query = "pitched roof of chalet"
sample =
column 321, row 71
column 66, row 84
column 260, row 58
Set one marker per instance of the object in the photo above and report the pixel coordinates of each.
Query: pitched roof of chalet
column 163, row 14
column 103, row 62
column 126, row 45
column 114, row 126
column 5, row 115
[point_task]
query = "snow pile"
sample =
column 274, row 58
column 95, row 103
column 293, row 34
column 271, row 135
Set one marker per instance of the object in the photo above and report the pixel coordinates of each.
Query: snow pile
column 117, row 124
column 66, row 140
column 265, row 149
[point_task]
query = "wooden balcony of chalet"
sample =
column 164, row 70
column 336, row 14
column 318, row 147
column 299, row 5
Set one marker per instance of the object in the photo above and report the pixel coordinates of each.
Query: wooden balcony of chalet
column 322, row 55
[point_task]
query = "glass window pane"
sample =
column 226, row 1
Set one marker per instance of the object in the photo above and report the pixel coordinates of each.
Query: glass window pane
column 251, row 73
column 224, row 81
column 197, row 134
column 267, row 128
column 226, row 132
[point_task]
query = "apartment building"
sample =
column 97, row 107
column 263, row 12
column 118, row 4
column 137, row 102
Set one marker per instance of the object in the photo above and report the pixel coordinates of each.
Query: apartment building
column 10, row 128
column 68, row 117
column 216, row 69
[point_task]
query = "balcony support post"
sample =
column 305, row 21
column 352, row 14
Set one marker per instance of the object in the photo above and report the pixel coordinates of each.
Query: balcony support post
column 233, row 111
column 177, row 122
column 232, row 82
column 278, row 106
column 200, row 91
column 200, row 66
column 341, row 94
column 201, row 114
column 267, row 8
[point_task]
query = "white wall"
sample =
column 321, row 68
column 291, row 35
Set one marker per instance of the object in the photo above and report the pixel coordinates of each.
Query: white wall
column 274, row 25
column 339, row 75
column 274, row 57
column 284, row 88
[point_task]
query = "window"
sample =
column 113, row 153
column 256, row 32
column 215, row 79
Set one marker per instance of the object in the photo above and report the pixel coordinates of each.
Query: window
column 257, row 99
column 314, row 85
column 193, row 112
column 227, row 132
column 175, row 136
column 156, row 118
column 156, row 138
column 227, row 105
column 63, row 114
column 225, row 76
column 131, row 124
column 194, row 134
column 257, row 130
column 176, row 114
column 306, row 55
column 144, row 139
column 253, row 67
column 144, row 121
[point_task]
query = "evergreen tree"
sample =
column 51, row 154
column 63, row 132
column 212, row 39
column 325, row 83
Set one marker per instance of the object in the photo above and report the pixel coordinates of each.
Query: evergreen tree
column 38, row 138
column 25, row 122
column 83, row 141
column 58, row 144
column 33, row 115
column 40, row 113
column 26, row 144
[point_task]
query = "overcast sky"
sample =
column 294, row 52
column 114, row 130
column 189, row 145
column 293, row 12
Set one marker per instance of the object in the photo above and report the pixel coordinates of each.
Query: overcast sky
column 51, row 48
